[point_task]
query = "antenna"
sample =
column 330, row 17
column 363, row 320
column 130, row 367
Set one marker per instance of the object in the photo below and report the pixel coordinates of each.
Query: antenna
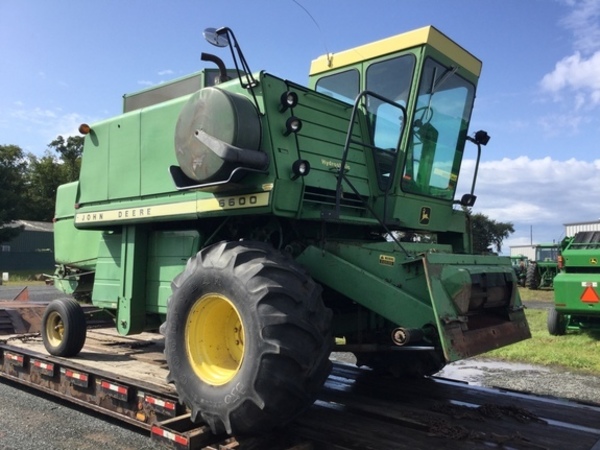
column 329, row 55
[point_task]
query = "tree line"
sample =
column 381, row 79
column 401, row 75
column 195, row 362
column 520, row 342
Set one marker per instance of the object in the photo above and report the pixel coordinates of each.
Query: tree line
column 28, row 182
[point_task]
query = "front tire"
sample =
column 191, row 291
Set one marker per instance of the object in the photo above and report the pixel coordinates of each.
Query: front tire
column 557, row 323
column 64, row 327
column 247, row 337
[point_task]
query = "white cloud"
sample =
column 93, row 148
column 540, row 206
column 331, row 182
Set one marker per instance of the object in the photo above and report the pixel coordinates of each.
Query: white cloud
column 535, row 194
column 578, row 74
column 145, row 83
column 165, row 72
column 583, row 22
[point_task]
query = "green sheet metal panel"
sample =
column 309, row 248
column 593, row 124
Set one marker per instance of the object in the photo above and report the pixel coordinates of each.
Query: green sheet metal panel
column 357, row 270
column 158, row 146
column 72, row 246
column 124, row 157
column 93, row 178
column 168, row 253
column 107, row 281
column 415, row 289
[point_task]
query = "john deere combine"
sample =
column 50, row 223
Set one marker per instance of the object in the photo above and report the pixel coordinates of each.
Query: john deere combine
column 259, row 222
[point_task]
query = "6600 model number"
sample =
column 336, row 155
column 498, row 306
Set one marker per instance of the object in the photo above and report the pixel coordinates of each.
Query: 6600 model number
column 234, row 202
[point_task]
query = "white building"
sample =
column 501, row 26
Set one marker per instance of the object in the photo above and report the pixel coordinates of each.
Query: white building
column 572, row 228
column 523, row 250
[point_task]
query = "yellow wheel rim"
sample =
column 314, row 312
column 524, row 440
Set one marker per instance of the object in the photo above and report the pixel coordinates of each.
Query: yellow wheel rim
column 214, row 339
column 55, row 329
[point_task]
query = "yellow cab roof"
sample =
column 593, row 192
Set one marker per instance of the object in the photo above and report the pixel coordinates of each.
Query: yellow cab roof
column 427, row 35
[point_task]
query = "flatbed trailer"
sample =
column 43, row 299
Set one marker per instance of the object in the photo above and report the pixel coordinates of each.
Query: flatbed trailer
column 124, row 377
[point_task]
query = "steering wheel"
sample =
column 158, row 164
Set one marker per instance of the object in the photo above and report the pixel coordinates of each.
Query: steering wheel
column 426, row 116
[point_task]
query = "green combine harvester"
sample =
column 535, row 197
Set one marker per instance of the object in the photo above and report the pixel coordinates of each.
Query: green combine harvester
column 261, row 224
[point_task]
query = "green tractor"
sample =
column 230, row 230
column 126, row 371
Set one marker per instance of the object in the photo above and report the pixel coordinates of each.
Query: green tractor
column 576, row 293
column 520, row 263
column 257, row 222
column 542, row 270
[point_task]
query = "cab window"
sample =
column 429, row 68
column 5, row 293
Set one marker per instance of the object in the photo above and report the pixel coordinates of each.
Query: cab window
column 343, row 86
column 390, row 79
column 438, row 132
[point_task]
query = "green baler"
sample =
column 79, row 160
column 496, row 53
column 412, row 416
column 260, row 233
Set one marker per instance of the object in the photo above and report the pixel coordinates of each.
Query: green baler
column 260, row 224
column 576, row 286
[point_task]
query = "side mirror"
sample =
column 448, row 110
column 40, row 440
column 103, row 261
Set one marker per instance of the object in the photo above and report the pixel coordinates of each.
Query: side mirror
column 481, row 138
column 468, row 200
column 218, row 38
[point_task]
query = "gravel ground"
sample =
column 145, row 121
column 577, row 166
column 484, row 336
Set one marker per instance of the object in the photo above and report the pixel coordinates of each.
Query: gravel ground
column 526, row 378
column 29, row 421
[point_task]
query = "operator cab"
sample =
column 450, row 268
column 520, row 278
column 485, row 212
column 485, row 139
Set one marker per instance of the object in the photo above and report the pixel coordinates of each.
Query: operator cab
column 419, row 133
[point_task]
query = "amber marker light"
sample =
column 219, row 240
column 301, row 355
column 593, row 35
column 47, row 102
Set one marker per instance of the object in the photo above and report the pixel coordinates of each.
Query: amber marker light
column 84, row 128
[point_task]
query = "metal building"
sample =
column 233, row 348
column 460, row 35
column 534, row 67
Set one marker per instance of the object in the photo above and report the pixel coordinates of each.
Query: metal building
column 572, row 228
column 523, row 250
column 31, row 251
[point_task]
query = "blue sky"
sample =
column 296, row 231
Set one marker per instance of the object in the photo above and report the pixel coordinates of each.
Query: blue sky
column 68, row 62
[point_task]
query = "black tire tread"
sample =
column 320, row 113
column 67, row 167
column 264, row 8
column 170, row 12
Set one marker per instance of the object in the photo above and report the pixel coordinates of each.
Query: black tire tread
column 532, row 278
column 287, row 302
column 75, row 324
column 557, row 324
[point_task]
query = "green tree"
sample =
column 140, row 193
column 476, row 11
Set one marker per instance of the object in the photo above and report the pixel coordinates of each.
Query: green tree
column 13, row 169
column 70, row 154
column 44, row 176
column 60, row 164
column 488, row 233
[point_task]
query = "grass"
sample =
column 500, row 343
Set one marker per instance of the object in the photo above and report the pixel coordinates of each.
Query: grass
column 577, row 350
column 24, row 278
column 539, row 295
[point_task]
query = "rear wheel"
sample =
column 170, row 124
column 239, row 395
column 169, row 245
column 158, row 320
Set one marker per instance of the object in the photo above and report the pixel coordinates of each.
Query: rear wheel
column 247, row 337
column 532, row 279
column 557, row 323
column 64, row 327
